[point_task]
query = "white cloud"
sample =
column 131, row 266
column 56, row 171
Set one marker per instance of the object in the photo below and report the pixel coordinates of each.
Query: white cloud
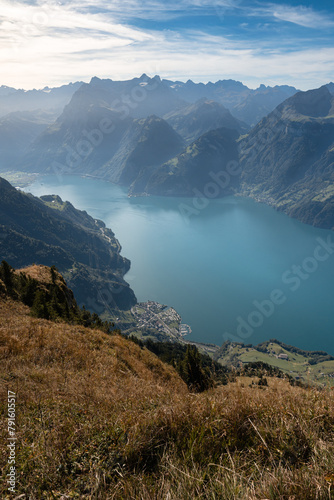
column 300, row 15
column 27, row 21
column 51, row 44
column 157, row 10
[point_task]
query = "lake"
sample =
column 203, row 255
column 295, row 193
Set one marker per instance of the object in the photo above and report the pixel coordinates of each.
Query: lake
column 234, row 269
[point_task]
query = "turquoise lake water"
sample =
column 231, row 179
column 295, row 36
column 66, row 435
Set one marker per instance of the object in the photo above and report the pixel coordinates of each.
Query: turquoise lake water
column 235, row 269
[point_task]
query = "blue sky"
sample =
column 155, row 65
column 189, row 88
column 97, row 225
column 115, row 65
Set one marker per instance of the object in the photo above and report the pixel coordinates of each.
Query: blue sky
column 54, row 42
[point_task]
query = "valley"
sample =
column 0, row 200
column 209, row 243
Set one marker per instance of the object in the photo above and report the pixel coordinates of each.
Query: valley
column 189, row 144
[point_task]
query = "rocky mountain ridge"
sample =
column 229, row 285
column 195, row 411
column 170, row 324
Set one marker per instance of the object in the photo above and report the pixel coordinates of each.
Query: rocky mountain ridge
column 52, row 232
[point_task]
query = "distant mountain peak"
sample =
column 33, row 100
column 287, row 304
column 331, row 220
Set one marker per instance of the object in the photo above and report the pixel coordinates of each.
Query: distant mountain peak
column 315, row 103
column 231, row 84
column 330, row 87
column 95, row 80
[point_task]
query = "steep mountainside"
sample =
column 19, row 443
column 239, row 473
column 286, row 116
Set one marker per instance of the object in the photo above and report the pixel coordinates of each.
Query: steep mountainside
column 194, row 120
column 18, row 130
column 287, row 159
column 260, row 102
column 51, row 232
column 194, row 169
column 147, row 142
column 330, row 87
column 99, row 141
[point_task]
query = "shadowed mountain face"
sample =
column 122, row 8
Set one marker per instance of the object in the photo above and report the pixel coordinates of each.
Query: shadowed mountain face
column 260, row 102
column 200, row 164
column 147, row 143
column 108, row 130
column 194, row 120
column 288, row 158
column 52, row 232
column 98, row 141
column 330, row 87
column 17, row 132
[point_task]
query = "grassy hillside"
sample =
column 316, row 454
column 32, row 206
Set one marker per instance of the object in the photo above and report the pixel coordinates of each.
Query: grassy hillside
column 98, row 416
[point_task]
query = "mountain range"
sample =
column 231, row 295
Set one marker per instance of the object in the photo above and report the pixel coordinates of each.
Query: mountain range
column 246, row 104
column 169, row 138
column 192, row 109
column 54, row 99
column 286, row 160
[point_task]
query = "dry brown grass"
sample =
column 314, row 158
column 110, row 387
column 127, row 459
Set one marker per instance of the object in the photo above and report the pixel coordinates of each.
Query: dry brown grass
column 38, row 272
column 98, row 417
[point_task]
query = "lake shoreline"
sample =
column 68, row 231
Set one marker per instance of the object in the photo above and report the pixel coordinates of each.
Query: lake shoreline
column 248, row 235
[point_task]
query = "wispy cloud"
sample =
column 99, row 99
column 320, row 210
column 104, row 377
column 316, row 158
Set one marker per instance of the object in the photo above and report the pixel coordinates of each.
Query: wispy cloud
column 37, row 20
column 158, row 10
column 300, row 15
column 45, row 43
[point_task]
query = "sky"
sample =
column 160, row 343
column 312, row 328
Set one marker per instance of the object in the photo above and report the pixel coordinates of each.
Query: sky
column 51, row 42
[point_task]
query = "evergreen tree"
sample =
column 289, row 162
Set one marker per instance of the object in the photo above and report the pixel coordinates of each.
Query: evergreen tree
column 39, row 308
column 192, row 372
column 53, row 270
column 27, row 289
column 7, row 275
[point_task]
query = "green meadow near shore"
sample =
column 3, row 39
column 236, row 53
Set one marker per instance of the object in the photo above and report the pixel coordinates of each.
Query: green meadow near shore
column 310, row 367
